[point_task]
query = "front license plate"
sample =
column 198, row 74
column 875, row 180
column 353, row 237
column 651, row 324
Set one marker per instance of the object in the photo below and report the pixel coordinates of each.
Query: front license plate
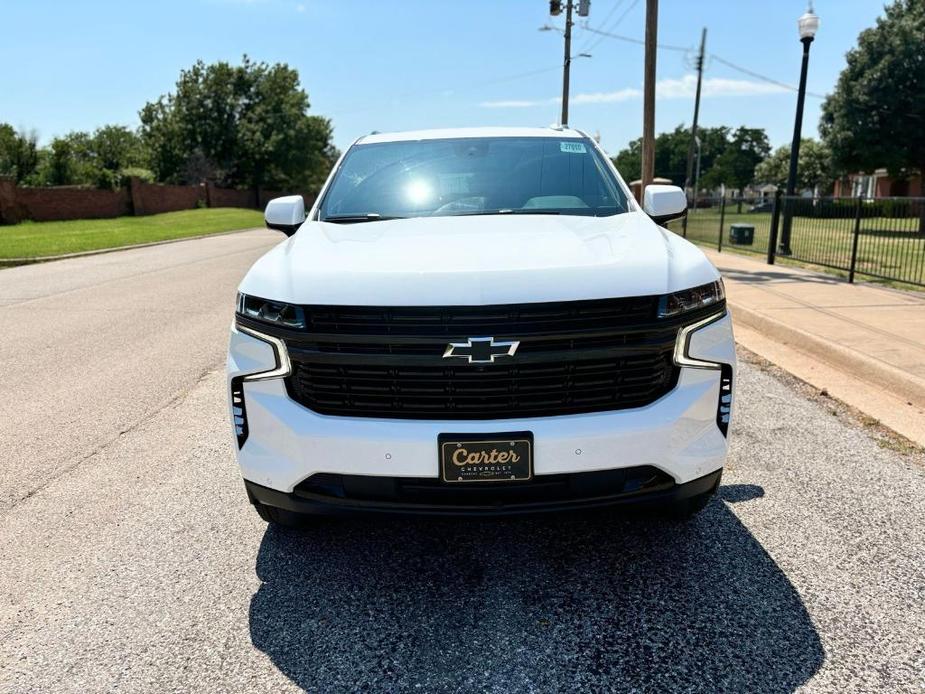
column 486, row 458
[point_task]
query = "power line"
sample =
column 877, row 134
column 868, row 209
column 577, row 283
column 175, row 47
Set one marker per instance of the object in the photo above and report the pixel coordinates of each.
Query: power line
column 461, row 88
column 511, row 78
column 752, row 73
column 614, row 25
column 713, row 56
column 630, row 39
column 606, row 19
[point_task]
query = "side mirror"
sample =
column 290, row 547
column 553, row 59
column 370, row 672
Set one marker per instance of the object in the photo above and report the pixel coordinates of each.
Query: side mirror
column 664, row 203
column 285, row 214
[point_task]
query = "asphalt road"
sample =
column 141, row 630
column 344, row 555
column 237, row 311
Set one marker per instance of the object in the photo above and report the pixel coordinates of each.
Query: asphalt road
column 130, row 560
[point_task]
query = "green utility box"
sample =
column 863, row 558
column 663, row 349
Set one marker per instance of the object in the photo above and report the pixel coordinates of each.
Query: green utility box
column 742, row 234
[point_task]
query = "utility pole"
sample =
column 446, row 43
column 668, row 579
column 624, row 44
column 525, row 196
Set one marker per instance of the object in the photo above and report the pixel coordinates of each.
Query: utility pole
column 555, row 9
column 648, row 104
column 690, row 149
column 568, row 62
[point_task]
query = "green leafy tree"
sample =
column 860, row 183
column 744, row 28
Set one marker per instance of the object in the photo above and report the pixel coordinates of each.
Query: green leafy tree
column 243, row 125
column 735, row 166
column 726, row 156
column 19, row 153
column 100, row 159
column 671, row 153
column 814, row 167
column 116, row 148
column 876, row 115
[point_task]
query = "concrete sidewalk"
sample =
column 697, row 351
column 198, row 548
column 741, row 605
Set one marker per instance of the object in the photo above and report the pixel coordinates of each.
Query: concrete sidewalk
column 865, row 345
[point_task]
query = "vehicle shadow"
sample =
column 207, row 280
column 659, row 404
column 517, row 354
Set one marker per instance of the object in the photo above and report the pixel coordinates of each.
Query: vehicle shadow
column 778, row 276
column 591, row 601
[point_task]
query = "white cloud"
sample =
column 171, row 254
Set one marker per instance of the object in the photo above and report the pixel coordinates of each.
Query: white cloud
column 606, row 97
column 686, row 87
column 516, row 103
column 675, row 88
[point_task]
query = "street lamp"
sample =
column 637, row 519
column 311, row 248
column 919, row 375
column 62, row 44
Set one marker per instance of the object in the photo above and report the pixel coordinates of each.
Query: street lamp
column 808, row 25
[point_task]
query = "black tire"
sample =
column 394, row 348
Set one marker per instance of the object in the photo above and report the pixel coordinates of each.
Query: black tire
column 279, row 516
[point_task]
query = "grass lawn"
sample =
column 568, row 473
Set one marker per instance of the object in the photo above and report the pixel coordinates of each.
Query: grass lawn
column 38, row 239
column 891, row 248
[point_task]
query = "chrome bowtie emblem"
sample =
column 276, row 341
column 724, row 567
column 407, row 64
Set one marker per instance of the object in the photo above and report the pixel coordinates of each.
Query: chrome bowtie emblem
column 481, row 350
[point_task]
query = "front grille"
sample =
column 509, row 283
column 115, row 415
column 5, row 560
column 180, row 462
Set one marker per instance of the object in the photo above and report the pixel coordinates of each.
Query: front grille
column 465, row 391
column 574, row 357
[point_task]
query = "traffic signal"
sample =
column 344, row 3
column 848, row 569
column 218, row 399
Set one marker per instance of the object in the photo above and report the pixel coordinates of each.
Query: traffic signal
column 555, row 7
column 584, row 6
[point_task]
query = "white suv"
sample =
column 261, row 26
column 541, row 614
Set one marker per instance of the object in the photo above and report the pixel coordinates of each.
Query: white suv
column 479, row 321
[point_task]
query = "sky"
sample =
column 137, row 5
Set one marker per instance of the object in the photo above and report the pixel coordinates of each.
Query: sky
column 400, row 65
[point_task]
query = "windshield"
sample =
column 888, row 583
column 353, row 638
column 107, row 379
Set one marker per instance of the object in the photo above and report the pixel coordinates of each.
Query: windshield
column 491, row 175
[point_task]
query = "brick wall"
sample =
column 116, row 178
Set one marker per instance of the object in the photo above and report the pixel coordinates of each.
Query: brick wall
column 153, row 198
column 47, row 204
column 230, row 197
column 139, row 198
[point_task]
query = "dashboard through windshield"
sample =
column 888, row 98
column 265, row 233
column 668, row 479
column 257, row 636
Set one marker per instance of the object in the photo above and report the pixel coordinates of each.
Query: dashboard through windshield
column 471, row 176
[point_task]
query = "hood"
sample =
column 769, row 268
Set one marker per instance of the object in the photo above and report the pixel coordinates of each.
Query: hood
column 492, row 259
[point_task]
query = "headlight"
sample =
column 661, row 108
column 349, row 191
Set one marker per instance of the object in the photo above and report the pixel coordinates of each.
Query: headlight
column 275, row 312
column 691, row 299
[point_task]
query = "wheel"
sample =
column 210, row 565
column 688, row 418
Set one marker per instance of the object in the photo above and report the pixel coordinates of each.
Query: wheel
column 279, row 516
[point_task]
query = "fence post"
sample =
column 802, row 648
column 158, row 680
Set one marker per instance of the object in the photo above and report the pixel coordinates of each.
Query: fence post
column 722, row 219
column 775, row 222
column 854, row 241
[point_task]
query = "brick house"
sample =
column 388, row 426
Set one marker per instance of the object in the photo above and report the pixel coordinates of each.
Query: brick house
column 878, row 184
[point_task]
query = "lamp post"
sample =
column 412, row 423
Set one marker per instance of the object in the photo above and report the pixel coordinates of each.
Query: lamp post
column 808, row 24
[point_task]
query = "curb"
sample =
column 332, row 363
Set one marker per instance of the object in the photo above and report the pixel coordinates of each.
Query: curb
column 15, row 262
column 876, row 373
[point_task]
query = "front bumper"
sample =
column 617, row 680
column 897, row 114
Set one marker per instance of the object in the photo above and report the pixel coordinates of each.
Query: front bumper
column 287, row 443
column 322, row 504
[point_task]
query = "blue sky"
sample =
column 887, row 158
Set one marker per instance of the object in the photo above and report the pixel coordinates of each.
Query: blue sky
column 406, row 64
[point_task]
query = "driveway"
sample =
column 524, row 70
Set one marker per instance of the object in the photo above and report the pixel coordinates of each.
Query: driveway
column 131, row 561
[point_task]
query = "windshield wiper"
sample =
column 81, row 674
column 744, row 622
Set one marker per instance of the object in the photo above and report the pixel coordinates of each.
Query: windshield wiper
column 357, row 218
column 504, row 211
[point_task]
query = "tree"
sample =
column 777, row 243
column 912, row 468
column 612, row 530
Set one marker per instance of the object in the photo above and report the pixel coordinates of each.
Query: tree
column 726, row 156
column 100, row 159
column 735, row 167
column 115, row 148
column 18, row 153
column 876, row 115
column 243, row 125
column 814, row 167
column 671, row 153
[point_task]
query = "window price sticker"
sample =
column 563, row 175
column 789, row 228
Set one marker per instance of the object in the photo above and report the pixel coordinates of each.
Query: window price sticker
column 572, row 147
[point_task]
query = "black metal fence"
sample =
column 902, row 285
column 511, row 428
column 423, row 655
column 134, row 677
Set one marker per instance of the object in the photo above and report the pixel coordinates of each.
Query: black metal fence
column 882, row 238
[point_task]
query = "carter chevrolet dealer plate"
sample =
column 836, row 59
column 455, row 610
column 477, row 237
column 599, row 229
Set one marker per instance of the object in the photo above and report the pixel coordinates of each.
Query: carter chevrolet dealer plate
column 486, row 458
